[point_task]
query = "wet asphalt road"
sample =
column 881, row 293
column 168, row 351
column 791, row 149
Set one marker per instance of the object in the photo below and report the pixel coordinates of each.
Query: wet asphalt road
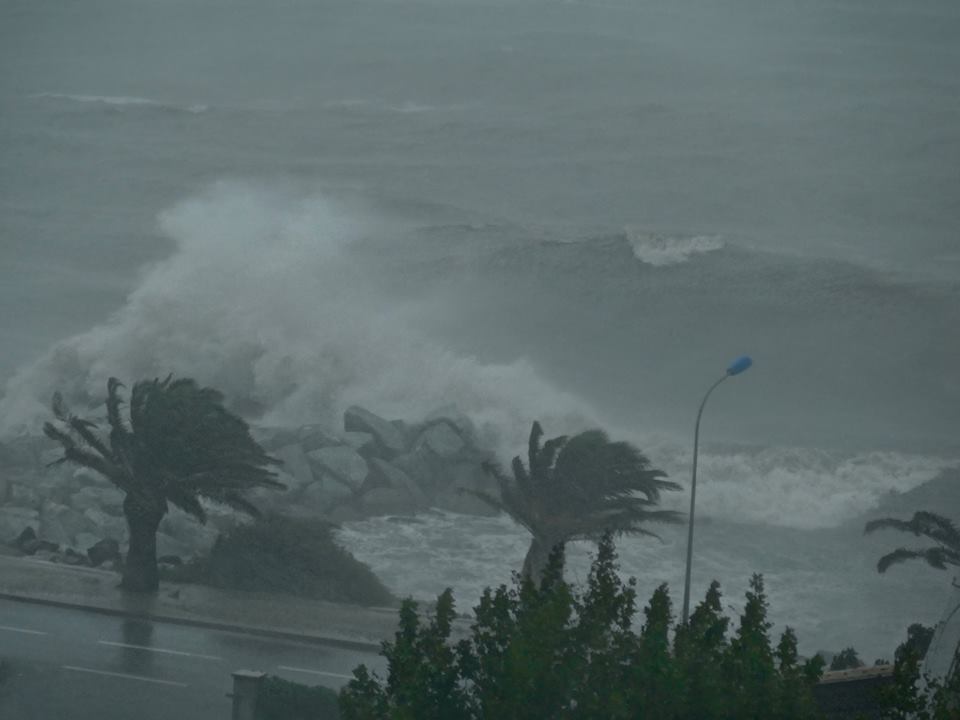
column 69, row 664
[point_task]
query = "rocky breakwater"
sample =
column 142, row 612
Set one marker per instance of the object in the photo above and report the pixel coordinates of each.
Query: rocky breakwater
column 372, row 466
column 378, row 467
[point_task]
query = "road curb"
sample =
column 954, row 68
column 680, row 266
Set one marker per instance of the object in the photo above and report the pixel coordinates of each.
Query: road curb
column 298, row 636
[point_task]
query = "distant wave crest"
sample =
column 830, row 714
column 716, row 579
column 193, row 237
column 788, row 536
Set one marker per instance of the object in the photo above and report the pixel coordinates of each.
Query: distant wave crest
column 121, row 101
column 658, row 250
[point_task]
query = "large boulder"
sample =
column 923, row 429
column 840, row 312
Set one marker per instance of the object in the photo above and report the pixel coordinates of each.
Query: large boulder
column 109, row 499
column 106, row 550
column 442, row 439
column 296, row 466
column 342, row 462
column 425, row 468
column 14, row 520
column 465, row 478
column 183, row 528
column 383, row 474
column 22, row 495
column 106, row 525
column 389, row 438
column 362, row 442
column 325, row 493
column 313, row 437
column 61, row 524
column 388, row 501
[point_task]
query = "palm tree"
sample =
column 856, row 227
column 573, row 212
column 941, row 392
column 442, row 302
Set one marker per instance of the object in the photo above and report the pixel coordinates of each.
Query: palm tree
column 578, row 488
column 935, row 527
column 179, row 444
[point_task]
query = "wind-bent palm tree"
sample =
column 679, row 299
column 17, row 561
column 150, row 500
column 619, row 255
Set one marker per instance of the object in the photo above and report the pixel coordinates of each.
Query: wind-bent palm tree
column 577, row 488
column 181, row 444
column 927, row 524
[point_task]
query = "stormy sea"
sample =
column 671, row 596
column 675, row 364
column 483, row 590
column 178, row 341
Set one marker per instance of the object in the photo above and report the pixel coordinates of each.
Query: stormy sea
column 575, row 212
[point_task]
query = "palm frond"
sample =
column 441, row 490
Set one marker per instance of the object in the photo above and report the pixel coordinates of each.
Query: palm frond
column 533, row 445
column 937, row 557
column 923, row 523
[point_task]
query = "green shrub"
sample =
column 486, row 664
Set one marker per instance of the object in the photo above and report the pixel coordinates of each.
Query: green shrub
column 281, row 699
column 549, row 651
column 283, row 555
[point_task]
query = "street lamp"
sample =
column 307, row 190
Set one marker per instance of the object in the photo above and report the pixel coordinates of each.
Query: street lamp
column 735, row 368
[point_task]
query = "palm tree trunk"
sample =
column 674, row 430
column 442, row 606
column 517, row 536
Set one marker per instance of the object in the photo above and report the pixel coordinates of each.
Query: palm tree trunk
column 538, row 557
column 140, row 572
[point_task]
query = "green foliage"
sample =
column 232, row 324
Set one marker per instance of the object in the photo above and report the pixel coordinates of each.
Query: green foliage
column 846, row 659
column 177, row 445
column 907, row 698
column 551, row 651
column 284, row 555
column 577, row 488
column 281, row 699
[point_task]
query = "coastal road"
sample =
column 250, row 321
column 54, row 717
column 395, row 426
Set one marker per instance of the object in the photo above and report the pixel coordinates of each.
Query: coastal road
column 70, row 664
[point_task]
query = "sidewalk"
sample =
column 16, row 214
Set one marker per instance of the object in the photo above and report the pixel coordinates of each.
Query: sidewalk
column 351, row 626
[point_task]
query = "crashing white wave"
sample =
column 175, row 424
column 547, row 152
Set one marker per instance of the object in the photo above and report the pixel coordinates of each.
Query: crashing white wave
column 800, row 488
column 264, row 300
column 121, row 101
column 659, row 250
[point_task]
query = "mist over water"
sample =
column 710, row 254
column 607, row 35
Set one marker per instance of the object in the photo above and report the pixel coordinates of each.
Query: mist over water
column 571, row 212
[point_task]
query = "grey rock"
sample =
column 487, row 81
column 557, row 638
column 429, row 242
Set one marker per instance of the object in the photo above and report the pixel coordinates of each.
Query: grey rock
column 383, row 474
column 24, row 496
column 4, row 490
column 61, row 524
column 167, row 545
column 344, row 463
column 313, row 437
column 345, row 512
column 85, row 477
column 426, row 469
column 84, row 541
column 388, row 501
column 441, row 439
column 189, row 531
column 106, row 525
column 14, row 520
column 109, row 499
column 325, row 494
column 467, row 476
column 72, row 557
column 362, row 442
column 296, row 466
column 387, row 436
column 103, row 552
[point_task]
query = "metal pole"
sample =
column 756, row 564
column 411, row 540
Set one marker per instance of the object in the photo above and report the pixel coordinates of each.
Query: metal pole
column 693, row 500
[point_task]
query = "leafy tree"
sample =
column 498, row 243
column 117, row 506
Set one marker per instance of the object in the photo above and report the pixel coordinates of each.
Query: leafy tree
column 941, row 530
column 846, row 659
column 699, row 648
column 750, row 673
column 179, row 444
column 549, row 651
column 577, row 488
column 913, row 697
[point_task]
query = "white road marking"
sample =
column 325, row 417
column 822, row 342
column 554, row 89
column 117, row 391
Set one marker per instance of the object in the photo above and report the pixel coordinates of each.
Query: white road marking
column 159, row 650
column 22, row 630
column 124, row 676
column 316, row 672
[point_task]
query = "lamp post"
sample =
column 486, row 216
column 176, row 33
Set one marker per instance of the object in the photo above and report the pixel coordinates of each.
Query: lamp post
column 735, row 368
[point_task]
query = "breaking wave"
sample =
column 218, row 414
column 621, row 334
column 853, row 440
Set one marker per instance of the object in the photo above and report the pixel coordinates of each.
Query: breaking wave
column 264, row 300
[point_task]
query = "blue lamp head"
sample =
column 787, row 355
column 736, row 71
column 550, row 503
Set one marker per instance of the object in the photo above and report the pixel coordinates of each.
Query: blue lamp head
column 739, row 365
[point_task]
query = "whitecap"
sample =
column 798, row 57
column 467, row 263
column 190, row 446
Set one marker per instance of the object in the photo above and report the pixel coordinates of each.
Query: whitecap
column 659, row 250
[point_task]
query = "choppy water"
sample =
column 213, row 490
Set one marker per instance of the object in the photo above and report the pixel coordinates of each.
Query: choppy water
column 576, row 212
